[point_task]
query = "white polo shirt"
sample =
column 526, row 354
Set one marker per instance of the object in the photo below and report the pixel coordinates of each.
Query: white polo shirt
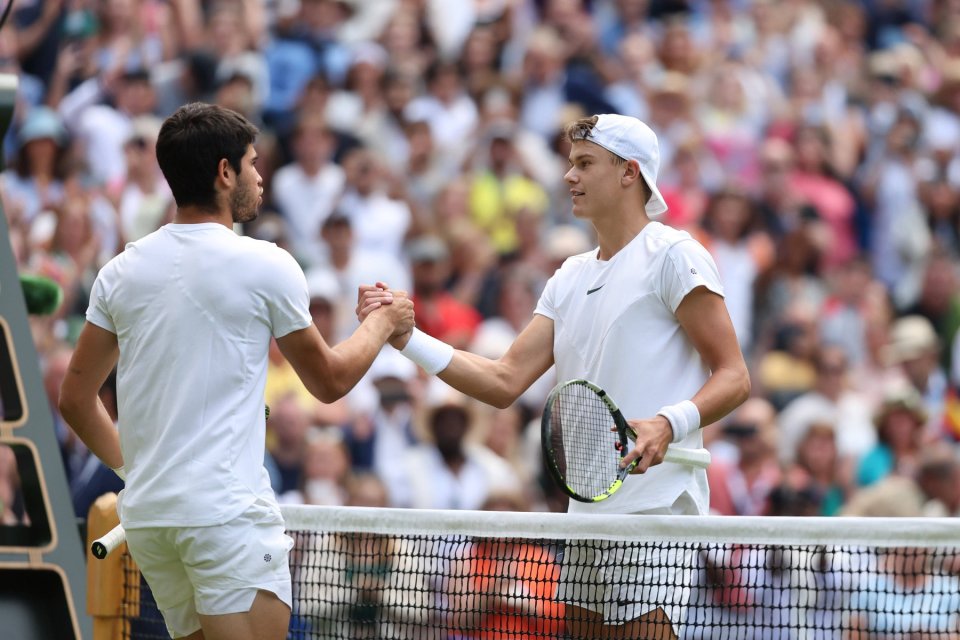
column 615, row 325
column 193, row 307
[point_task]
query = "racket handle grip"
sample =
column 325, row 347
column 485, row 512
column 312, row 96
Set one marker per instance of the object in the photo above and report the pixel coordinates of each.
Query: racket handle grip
column 692, row 457
column 102, row 546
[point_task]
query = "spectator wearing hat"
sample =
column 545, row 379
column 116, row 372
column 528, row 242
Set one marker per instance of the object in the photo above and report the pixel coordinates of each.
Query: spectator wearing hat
column 35, row 181
column 439, row 314
column 899, row 421
column 449, row 470
column 914, row 351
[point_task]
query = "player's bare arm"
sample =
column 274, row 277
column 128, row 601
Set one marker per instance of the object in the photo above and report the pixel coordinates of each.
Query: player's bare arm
column 93, row 359
column 496, row 382
column 704, row 317
column 330, row 372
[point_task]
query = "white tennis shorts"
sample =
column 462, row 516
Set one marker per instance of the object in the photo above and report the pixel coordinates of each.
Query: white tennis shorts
column 214, row 570
column 624, row 582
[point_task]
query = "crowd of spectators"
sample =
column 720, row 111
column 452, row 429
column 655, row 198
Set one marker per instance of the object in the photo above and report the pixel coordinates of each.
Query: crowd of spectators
column 810, row 145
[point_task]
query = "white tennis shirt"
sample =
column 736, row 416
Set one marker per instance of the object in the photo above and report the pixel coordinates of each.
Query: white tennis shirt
column 193, row 307
column 615, row 325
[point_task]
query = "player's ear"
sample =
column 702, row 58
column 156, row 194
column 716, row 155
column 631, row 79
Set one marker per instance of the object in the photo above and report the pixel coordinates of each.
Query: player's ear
column 224, row 171
column 631, row 172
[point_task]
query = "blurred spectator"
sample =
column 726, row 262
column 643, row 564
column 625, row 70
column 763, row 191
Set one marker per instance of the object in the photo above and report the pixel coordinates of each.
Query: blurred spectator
column 449, row 470
column 900, row 236
column 938, row 476
column 35, row 180
column 846, row 308
column 900, row 422
column 145, row 201
column 832, row 400
column 507, row 586
column 819, row 468
column 306, row 190
column 914, row 350
column 386, row 433
column 742, row 485
column 815, row 177
column 450, row 111
column 364, row 585
column 500, row 190
column 786, row 369
column 741, row 252
column 380, row 221
column 325, row 470
column 100, row 114
column 287, row 440
column 439, row 314
column 352, row 266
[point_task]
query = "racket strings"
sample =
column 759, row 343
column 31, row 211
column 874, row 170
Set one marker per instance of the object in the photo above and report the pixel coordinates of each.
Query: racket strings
column 586, row 449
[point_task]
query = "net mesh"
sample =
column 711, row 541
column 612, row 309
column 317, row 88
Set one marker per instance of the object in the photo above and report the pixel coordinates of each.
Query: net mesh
column 385, row 573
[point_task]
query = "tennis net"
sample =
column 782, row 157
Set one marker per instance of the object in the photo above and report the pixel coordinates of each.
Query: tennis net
column 395, row 573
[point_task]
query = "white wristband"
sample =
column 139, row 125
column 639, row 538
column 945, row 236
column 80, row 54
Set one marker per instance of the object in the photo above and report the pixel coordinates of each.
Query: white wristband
column 428, row 352
column 122, row 472
column 684, row 418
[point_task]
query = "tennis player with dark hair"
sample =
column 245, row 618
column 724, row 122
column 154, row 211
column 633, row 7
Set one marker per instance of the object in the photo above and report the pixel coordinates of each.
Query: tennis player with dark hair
column 189, row 312
column 643, row 317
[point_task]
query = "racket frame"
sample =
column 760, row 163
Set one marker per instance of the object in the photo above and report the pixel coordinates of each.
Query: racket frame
column 623, row 431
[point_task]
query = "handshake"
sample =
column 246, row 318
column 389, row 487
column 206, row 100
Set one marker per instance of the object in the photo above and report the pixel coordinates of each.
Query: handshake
column 396, row 307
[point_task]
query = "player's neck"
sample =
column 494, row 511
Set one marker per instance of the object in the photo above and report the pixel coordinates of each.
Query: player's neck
column 616, row 232
column 199, row 215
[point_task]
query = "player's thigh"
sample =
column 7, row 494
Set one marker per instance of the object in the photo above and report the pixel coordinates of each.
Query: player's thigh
column 230, row 564
column 583, row 624
column 156, row 554
column 267, row 619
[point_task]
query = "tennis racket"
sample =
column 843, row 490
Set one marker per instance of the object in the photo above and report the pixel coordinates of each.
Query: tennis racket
column 582, row 450
column 105, row 544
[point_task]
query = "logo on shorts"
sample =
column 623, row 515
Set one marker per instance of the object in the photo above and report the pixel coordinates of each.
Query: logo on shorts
column 267, row 557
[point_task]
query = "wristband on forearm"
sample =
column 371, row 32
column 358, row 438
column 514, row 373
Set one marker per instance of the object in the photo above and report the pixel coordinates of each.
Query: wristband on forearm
column 431, row 354
column 121, row 471
column 684, row 418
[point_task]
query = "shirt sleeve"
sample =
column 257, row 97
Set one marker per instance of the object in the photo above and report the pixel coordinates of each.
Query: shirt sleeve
column 687, row 265
column 288, row 304
column 98, row 312
column 545, row 305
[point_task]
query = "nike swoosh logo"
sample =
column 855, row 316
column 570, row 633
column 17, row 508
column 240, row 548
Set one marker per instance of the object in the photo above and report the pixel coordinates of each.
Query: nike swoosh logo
column 589, row 291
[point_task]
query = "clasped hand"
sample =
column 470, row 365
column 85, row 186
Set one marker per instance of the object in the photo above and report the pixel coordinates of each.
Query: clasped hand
column 371, row 297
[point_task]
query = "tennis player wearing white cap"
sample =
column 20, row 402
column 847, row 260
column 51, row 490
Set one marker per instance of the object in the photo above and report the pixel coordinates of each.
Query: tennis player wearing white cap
column 643, row 316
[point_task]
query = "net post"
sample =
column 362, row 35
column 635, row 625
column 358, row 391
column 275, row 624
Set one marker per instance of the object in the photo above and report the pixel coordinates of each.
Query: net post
column 106, row 578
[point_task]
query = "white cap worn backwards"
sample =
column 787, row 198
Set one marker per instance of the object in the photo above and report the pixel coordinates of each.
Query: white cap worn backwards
column 631, row 139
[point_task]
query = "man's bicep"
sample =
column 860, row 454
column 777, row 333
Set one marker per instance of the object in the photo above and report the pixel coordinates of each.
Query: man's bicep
column 93, row 359
column 706, row 321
